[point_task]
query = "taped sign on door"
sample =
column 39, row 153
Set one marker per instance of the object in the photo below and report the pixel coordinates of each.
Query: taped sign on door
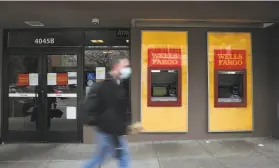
column 100, row 72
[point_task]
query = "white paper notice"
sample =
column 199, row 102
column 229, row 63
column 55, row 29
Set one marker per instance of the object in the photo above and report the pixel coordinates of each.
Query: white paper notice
column 51, row 78
column 72, row 78
column 33, row 79
column 100, row 72
column 71, row 113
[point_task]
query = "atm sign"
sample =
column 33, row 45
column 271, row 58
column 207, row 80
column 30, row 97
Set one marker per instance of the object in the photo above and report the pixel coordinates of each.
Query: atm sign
column 230, row 59
column 164, row 57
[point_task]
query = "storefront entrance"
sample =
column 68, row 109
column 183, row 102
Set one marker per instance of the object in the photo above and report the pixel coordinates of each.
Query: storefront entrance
column 42, row 97
column 47, row 73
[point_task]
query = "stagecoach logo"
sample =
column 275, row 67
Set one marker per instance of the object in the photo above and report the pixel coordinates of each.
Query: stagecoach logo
column 122, row 33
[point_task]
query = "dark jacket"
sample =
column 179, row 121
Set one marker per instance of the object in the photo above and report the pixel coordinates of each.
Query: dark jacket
column 111, row 117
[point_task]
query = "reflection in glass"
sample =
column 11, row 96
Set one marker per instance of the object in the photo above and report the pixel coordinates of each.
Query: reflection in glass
column 164, row 84
column 230, row 87
column 62, row 94
column 22, row 99
column 101, row 58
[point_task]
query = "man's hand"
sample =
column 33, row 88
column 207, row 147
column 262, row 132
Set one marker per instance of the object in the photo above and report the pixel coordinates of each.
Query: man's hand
column 135, row 128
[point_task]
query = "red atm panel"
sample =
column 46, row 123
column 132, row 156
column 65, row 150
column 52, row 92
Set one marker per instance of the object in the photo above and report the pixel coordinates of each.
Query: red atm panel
column 230, row 78
column 164, row 77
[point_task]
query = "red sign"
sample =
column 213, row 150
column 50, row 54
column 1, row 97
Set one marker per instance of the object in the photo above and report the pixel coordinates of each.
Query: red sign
column 230, row 59
column 61, row 79
column 23, row 79
column 164, row 57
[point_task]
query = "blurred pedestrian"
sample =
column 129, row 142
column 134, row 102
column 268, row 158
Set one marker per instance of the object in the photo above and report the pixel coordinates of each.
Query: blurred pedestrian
column 110, row 116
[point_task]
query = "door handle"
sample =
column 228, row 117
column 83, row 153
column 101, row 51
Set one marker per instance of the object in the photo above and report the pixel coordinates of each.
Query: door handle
column 42, row 96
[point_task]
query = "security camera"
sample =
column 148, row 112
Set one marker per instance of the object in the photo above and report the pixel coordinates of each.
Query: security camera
column 95, row 21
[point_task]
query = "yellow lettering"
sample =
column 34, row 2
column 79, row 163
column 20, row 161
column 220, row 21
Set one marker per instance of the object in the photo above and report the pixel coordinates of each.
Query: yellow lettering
column 164, row 55
column 240, row 56
column 220, row 62
column 154, row 61
column 230, row 62
column 164, row 62
column 230, row 56
column 221, row 56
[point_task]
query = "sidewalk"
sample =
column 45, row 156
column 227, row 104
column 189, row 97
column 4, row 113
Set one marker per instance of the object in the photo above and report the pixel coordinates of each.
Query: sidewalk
column 234, row 153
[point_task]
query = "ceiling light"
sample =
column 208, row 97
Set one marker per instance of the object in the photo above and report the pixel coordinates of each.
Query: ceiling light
column 97, row 41
column 107, row 52
column 265, row 25
column 35, row 23
column 127, row 41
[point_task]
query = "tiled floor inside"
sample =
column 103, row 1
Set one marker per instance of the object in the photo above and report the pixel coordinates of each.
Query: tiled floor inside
column 233, row 153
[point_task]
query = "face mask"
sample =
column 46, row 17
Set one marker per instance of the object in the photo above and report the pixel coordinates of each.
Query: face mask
column 125, row 73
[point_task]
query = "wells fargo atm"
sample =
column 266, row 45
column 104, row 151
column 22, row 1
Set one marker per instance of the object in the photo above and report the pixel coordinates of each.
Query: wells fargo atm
column 230, row 81
column 164, row 77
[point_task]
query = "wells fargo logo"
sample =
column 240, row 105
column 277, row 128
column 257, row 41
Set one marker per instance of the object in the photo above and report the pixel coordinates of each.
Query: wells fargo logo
column 230, row 59
column 158, row 57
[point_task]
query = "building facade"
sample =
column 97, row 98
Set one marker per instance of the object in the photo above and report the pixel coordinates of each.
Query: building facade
column 191, row 79
column 38, row 71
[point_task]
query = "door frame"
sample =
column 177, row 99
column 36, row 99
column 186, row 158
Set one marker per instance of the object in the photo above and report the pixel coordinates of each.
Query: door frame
column 26, row 136
column 22, row 136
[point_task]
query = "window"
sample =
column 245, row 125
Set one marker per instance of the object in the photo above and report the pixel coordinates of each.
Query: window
column 100, row 59
column 230, row 89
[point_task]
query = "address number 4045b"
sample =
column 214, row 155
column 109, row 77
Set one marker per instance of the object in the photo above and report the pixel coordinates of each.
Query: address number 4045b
column 44, row 41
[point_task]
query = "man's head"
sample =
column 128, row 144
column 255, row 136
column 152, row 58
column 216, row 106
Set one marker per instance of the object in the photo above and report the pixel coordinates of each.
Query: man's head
column 120, row 68
column 235, row 90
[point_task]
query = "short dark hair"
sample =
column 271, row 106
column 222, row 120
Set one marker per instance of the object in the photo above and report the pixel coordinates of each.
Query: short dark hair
column 115, row 60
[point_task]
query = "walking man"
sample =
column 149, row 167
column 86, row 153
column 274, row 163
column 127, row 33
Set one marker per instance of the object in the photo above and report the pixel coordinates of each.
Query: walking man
column 110, row 117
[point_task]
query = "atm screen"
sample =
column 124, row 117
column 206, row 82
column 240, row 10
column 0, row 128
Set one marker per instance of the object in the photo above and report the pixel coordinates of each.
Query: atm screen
column 164, row 85
column 230, row 87
column 159, row 91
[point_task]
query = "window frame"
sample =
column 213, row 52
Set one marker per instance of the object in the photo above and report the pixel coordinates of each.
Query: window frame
column 230, row 104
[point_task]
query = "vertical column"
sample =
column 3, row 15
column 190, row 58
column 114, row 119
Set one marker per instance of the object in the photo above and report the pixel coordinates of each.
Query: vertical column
column 274, row 82
column 136, row 75
column 1, row 55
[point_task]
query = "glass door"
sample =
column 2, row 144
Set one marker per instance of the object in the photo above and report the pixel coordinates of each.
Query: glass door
column 24, row 108
column 61, row 86
column 42, row 97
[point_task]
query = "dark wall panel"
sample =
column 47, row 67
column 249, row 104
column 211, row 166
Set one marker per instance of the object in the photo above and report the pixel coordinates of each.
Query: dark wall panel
column 261, row 83
column 136, row 75
column 274, row 43
column 197, row 89
column 1, row 54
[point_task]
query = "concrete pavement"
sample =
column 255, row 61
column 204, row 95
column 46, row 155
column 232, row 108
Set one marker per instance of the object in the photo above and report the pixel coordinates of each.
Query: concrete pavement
column 230, row 153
